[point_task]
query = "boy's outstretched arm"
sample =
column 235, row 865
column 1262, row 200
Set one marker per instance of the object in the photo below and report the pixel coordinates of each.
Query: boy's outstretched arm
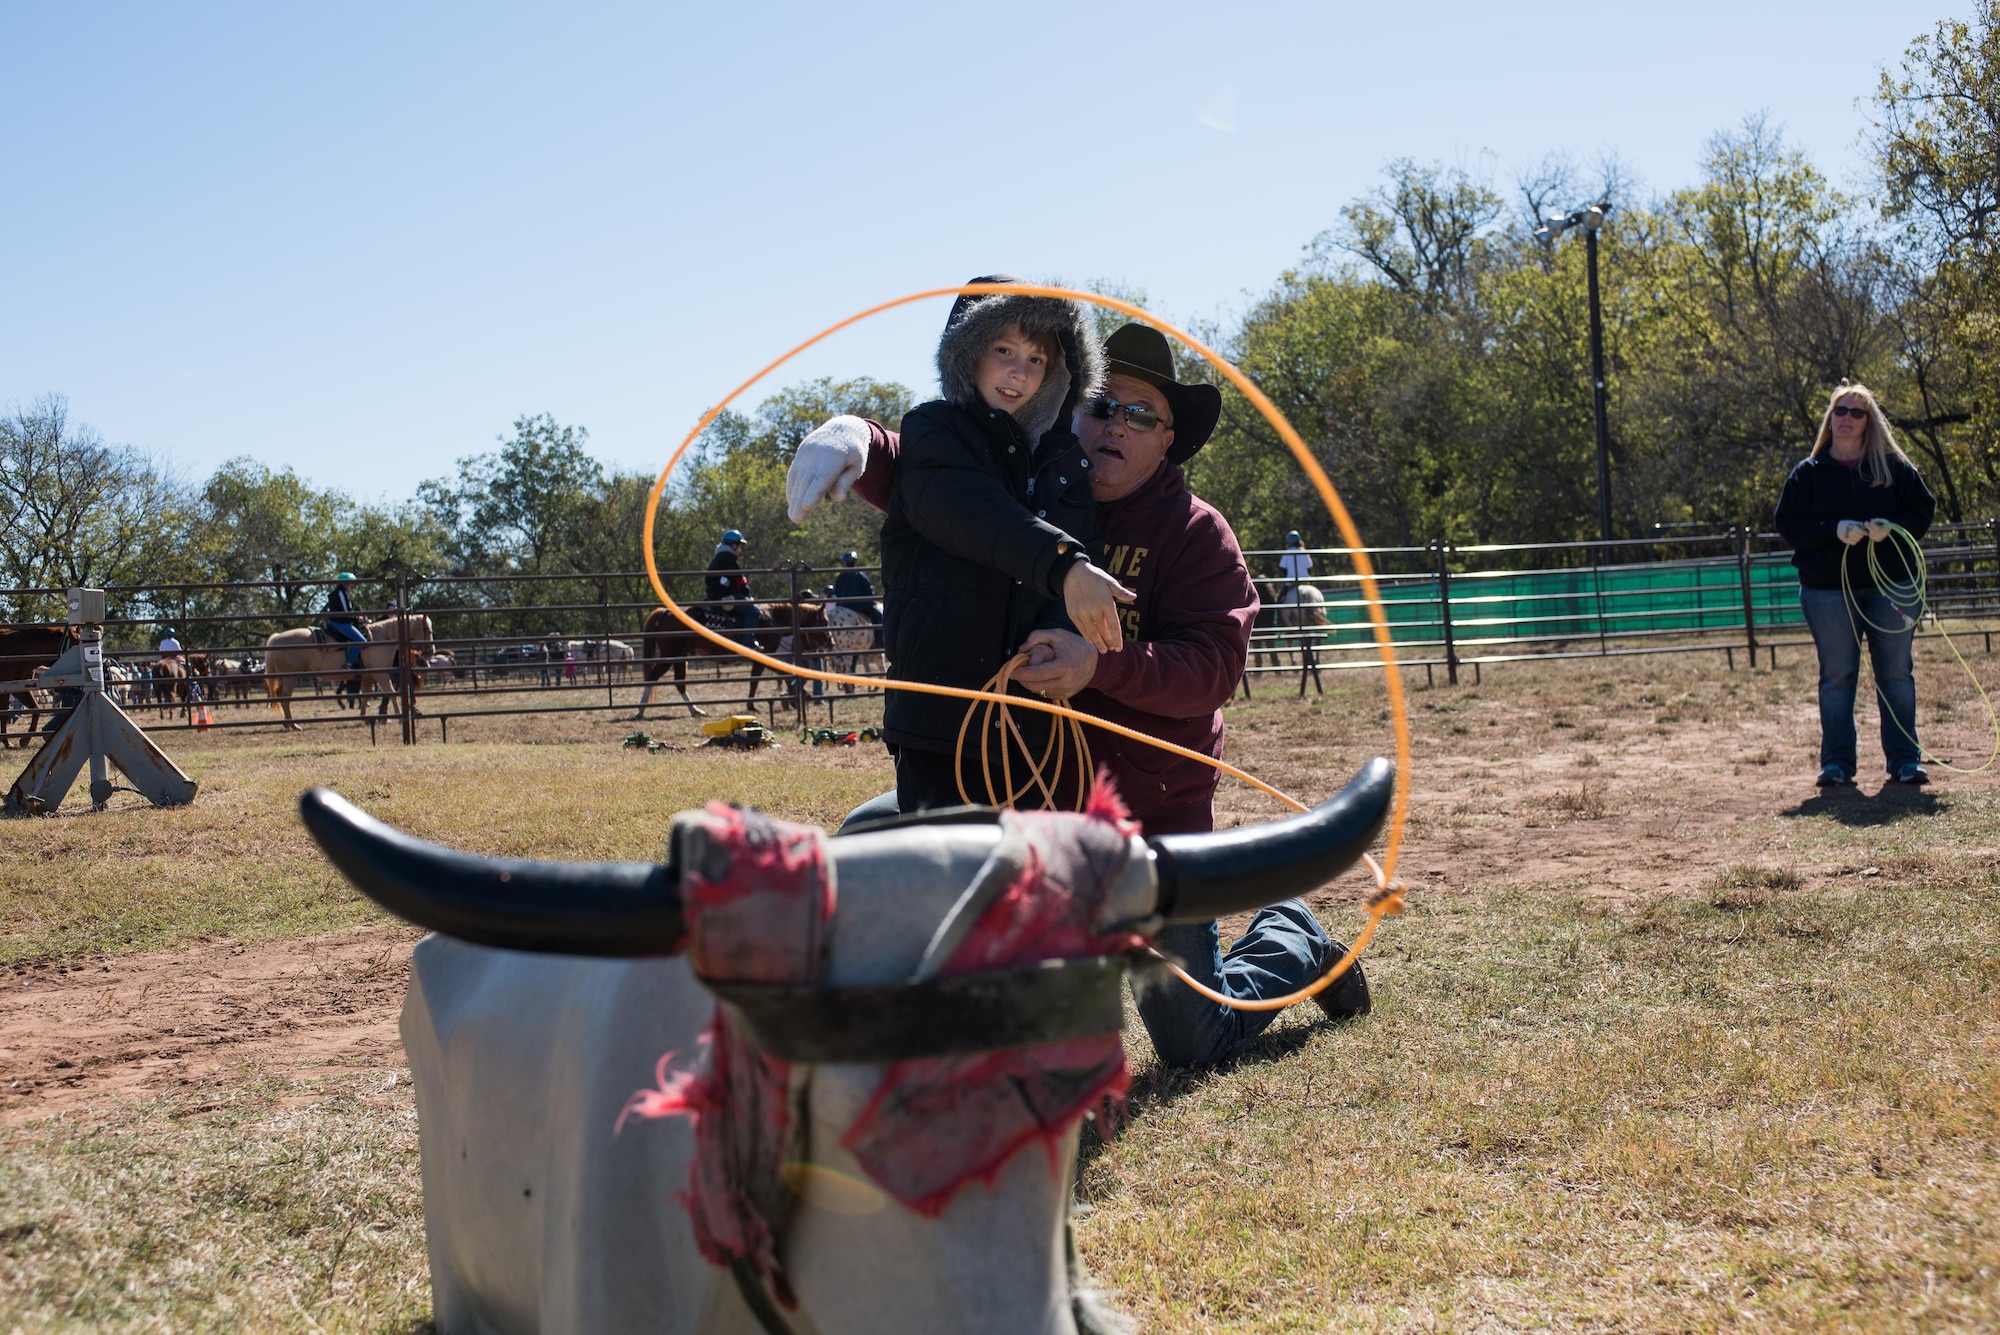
column 830, row 459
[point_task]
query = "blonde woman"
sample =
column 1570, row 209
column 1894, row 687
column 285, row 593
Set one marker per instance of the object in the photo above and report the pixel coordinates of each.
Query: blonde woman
column 1855, row 483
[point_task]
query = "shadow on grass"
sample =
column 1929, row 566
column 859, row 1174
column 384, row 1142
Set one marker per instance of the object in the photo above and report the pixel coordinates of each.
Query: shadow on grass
column 1161, row 1086
column 1856, row 809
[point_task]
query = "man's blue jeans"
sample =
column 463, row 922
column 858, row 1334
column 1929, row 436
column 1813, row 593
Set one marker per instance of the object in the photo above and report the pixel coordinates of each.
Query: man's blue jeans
column 1284, row 949
column 1838, row 627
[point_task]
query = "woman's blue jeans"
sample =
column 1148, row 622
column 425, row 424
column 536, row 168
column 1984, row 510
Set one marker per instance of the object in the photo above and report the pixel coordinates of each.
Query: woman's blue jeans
column 1838, row 628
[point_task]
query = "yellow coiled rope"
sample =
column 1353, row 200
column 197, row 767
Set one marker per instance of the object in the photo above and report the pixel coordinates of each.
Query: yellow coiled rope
column 1913, row 593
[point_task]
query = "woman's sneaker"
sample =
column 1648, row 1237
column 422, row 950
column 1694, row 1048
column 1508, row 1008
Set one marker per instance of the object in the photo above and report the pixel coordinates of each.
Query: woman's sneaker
column 1833, row 776
column 1913, row 774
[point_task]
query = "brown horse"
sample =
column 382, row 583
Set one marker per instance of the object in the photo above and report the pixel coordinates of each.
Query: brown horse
column 22, row 650
column 669, row 644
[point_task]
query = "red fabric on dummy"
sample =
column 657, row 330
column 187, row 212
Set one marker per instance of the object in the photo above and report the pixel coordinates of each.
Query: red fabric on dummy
column 757, row 894
column 937, row 1123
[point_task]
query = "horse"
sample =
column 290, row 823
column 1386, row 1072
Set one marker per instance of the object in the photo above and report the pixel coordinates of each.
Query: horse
column 170, row 683
column 618, row 658
column 669, row 644
column 307, row 649
column 118, row 682
column 1298, row 607
column 851, row 632
column 233, row 677
column 22, row 650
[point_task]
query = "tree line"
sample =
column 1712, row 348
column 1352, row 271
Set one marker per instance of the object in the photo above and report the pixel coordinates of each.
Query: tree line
column 1432, row 352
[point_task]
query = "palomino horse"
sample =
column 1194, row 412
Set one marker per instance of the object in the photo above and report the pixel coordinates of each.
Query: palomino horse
column 292, row 653
column 852, row 634
column 669, row 644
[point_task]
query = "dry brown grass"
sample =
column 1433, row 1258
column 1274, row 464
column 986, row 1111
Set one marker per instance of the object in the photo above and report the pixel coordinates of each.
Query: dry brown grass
column 261, row 1203
column 236, row 862
column 1668, row 1115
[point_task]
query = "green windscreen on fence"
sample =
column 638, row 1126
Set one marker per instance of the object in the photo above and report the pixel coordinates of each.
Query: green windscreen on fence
column 1492, row 607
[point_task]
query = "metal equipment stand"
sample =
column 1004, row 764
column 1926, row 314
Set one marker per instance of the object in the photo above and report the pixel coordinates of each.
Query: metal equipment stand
column 97, row 730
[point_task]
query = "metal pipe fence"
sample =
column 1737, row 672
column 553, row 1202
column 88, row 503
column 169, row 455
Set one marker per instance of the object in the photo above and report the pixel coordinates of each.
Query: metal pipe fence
column 484, row 647
column 516, row 645
column 1451, row 607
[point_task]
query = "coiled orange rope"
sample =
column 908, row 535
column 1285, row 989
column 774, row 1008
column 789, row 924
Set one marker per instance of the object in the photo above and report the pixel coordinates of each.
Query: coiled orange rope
column 1387, row 897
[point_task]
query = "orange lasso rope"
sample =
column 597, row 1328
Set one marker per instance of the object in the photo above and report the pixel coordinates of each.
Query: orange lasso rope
column 1387, row 897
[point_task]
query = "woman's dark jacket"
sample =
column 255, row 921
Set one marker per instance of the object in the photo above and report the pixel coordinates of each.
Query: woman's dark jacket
column 340, row 607
column 987, row 514
column 1821, row 492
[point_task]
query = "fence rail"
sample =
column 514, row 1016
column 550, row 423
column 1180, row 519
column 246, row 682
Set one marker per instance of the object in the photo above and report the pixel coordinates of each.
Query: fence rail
column 1451, row 607
column 539, row 644
column 496, row 647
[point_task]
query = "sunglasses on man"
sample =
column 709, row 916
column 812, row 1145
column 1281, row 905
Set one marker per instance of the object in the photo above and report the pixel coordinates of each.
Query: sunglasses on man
column 1839, row 410
column 1137, row 417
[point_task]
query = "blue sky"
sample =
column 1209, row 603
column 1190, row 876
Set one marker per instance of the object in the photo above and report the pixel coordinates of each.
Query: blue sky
column 360, row 240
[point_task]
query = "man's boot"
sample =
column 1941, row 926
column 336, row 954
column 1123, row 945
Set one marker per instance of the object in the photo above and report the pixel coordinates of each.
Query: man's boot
column 1347, row 999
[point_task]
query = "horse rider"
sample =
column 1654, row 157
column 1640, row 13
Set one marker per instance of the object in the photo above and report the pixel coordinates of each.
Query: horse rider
column 852, row 588
column 343, row 623
column 1297, row 563
column 728, row 584
column 170, row 648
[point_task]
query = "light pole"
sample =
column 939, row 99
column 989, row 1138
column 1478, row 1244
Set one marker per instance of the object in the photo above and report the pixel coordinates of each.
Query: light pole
column 1590, row 219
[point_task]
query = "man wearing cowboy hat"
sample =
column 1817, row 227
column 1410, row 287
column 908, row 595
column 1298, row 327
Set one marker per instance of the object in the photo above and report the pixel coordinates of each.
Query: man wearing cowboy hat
column 1186, row 638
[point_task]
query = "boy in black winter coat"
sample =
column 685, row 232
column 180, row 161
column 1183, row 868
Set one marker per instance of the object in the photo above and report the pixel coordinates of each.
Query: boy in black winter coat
column 990, row 519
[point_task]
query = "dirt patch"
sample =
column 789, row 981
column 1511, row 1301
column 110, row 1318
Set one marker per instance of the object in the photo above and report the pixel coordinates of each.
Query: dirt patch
column 167, row 1019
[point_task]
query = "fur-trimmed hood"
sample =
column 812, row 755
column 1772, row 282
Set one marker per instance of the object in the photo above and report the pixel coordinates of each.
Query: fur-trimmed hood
column 977, row 320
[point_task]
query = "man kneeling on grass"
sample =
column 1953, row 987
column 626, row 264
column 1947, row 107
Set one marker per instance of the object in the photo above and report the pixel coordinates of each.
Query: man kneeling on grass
column 1185, row 641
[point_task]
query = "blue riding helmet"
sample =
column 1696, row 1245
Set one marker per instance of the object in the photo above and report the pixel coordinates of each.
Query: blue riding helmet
column 734, row 535
column 1293, row 539
column 344, row 577
column 850, row 558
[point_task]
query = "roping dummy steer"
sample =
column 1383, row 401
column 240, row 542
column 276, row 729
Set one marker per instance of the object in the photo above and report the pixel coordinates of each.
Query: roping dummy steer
column 903, row 1011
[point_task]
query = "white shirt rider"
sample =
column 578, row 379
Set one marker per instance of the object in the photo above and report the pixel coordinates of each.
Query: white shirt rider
column 1296, row 564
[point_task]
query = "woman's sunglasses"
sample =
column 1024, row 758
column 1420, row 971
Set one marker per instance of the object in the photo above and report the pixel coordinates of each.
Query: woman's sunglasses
column 1842, row 410
column 1137, row 418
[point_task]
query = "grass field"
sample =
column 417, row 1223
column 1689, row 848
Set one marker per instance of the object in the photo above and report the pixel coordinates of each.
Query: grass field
column 1667, row 1040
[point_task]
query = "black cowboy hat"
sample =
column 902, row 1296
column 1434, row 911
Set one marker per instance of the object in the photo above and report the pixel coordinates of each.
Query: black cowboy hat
column 1143, row 353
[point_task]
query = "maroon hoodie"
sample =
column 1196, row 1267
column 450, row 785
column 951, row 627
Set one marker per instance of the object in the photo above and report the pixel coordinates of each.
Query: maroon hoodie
column 1186, row 639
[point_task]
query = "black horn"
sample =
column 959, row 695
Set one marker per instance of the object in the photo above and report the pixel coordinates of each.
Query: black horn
column 621, row 909
column 1204, row 876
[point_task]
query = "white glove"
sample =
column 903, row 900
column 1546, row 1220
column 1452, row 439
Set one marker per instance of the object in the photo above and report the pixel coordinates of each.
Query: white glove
column 1878, row 529
column 1847, row 530
column 828, row 460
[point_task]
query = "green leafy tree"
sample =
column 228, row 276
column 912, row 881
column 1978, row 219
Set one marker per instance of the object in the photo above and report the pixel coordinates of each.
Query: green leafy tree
column 77, row 511
column 516, row 511
column 1937, row 153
